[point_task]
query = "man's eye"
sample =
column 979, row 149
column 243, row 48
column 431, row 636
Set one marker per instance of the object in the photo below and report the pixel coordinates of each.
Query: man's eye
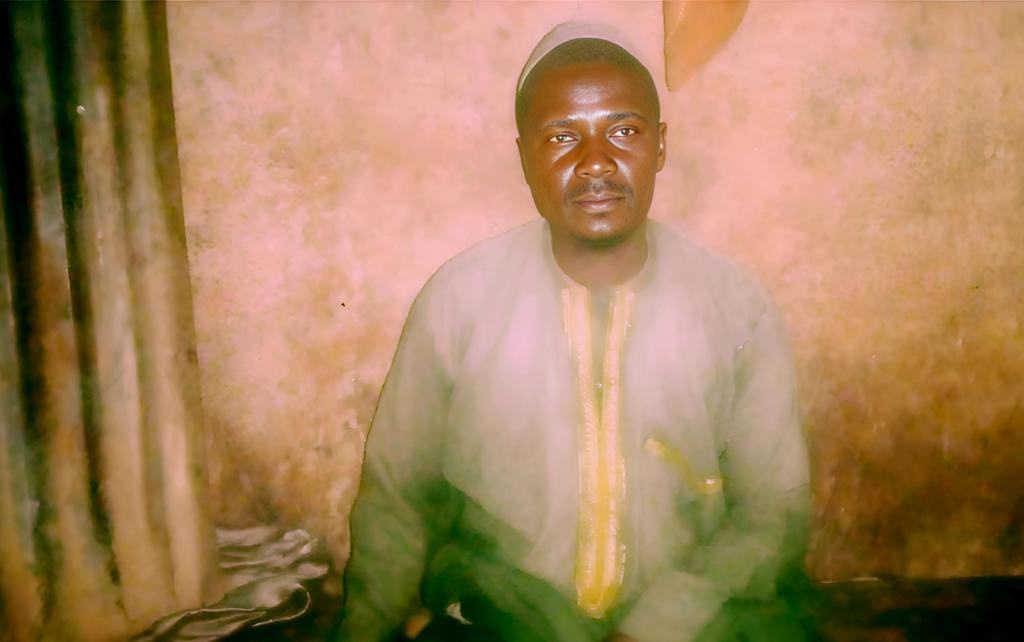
column 624, row 131
column 561, row 138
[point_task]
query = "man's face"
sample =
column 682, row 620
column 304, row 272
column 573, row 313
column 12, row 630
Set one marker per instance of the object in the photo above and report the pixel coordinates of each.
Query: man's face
column 590, row 146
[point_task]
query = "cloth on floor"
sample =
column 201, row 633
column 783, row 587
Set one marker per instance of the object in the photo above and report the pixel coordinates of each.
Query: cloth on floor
column 267, row 569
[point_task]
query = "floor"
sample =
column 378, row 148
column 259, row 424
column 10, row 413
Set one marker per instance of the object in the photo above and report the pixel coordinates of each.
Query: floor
column 966, row 610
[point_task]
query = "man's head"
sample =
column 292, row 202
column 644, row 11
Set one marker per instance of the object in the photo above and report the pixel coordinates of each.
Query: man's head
column 590, row 140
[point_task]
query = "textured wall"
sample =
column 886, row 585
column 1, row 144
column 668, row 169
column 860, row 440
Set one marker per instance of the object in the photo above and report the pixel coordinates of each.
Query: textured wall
column 861, row 158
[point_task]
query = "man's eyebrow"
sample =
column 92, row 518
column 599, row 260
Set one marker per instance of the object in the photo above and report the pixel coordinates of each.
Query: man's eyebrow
column 564, row 122
column 613, row 117
column 623, row 115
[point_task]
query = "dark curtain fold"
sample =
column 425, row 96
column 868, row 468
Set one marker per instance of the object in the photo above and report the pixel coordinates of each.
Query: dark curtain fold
column 102, row 525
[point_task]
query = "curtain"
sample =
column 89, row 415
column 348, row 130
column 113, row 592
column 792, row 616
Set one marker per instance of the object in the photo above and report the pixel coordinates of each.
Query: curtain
column 102, row 524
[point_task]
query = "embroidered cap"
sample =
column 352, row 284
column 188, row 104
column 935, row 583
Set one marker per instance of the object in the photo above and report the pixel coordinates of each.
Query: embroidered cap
column 574, row 30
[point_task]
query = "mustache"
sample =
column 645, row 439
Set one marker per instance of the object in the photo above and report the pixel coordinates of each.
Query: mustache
column 596, row 186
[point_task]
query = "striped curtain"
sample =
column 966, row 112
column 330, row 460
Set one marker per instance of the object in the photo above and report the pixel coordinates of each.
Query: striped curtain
column 102, row 525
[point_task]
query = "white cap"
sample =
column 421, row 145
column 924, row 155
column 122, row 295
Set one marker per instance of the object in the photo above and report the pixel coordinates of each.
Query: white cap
column 572, row 30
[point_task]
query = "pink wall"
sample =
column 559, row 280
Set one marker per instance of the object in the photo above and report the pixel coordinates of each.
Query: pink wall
column 861, row 158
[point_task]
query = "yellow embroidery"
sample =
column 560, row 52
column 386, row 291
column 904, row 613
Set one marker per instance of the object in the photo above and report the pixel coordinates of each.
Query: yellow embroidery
column 600, row 558
column 705, row 487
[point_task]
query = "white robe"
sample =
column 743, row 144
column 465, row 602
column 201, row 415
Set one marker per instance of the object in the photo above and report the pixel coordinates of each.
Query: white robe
column 612, row 495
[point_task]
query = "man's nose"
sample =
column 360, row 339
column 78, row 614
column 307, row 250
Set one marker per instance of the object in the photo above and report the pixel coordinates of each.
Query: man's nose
column 595, row 160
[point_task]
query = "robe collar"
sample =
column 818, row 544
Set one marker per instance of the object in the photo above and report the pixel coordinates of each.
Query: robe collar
column 632, row 285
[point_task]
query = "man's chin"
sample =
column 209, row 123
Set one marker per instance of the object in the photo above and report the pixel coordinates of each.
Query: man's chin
column 605, row 237
column 602, row 239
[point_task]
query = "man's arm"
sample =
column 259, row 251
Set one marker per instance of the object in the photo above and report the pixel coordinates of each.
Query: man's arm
column 400, row 513
column 766, row 472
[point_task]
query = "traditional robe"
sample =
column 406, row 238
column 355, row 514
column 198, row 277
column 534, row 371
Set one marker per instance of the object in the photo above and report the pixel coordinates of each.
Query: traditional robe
column 579, row 461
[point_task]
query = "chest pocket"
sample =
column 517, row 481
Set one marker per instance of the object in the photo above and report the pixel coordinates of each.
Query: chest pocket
column 705, row 487
column 700, row 497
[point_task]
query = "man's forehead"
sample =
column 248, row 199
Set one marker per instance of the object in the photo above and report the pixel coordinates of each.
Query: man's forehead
column 597, row 90
column 591, row 76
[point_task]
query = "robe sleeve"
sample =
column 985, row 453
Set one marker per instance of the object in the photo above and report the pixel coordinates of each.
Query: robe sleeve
column 401, row 510
column 766, row 482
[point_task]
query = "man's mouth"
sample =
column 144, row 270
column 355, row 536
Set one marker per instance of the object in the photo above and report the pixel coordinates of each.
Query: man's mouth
column 599, row 201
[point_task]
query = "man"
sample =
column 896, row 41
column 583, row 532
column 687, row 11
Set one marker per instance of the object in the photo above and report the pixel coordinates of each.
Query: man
column 589, row 430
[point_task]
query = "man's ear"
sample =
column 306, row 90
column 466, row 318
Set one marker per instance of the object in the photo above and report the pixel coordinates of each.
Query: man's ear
column 662, row 147
column 522, row 161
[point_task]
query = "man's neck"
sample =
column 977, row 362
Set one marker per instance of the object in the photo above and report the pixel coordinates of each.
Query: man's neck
column 597, row 268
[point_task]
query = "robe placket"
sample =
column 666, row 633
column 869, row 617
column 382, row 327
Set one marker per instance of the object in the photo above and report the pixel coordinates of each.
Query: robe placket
column 600, row 556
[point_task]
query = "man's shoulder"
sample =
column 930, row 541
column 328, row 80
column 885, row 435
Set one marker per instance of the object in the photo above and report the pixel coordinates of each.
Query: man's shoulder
column 481, row 264
column 713, row 284
column 684, row 257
